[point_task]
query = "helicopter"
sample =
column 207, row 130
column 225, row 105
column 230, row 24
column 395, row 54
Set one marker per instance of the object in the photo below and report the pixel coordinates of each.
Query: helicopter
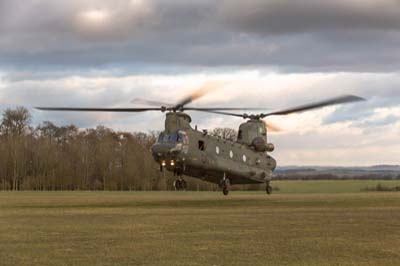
column 184, row 150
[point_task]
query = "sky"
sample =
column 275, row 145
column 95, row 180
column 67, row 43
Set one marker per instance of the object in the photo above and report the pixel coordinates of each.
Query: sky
column 265, row 53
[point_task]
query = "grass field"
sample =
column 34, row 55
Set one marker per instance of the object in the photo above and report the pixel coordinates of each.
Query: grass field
column 330, row 186
column 200, row 228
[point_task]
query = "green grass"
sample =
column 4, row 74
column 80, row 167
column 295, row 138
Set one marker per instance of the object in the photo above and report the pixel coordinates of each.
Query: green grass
column 199, row 228
column 330, row 186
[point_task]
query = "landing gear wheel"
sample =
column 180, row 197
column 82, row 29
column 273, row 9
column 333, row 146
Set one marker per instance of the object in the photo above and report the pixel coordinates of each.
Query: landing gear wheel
column 268, row 189
column 226, row 185
column 225, row 191
column 183, row 184
column 180, row 184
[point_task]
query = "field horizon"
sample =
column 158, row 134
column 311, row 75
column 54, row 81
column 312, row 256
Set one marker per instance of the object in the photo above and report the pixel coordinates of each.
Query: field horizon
column 280, row 187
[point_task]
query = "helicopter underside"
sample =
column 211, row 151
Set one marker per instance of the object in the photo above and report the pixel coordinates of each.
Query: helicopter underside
column 215, row 176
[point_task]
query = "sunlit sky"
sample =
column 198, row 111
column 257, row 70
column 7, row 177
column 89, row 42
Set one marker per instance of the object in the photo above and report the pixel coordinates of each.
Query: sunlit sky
column 264, row 53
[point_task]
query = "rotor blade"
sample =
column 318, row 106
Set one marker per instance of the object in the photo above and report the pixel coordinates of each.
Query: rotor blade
column 150, row 102
column 215, row 111
column 80, row 109
column 302, row 108
column 222, row 109
column 205, row 89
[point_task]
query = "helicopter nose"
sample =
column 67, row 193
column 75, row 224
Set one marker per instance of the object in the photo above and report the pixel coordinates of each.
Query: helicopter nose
column 162, row 150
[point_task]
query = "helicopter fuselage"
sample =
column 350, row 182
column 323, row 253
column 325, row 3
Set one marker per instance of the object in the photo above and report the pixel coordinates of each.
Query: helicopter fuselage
column 185, row 151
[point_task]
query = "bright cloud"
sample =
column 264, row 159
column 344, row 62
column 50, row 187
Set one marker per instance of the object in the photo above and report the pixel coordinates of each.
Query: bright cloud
column 340, row 141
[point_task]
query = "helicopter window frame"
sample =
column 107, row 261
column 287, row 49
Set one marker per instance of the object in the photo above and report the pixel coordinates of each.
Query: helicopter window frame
column 183, row 138
column 175, row 137
column 201, row 145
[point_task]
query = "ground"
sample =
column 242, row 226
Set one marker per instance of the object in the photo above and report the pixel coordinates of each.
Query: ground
column 202, row 228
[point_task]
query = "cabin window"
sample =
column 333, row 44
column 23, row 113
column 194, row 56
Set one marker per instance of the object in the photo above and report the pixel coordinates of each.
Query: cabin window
column 217, row 150
column 231, row 154
column 201, row 145
column 244, row 158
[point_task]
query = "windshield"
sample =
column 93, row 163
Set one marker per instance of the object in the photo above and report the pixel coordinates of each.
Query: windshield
column 177, row 137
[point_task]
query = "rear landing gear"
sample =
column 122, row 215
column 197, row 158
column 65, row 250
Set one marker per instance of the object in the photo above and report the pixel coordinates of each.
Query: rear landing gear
column 268, row 189
column 225, row 185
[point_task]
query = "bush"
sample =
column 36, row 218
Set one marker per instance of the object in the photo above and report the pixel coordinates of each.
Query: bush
column 382, row 188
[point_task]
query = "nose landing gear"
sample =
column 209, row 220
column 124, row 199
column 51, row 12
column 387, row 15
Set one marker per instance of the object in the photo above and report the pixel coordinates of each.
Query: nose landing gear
column 180, row 184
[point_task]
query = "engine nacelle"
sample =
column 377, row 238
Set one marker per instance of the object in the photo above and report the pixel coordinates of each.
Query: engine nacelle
column 261, row 145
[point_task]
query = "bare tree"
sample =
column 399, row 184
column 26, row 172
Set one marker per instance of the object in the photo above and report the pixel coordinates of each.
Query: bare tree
column 14, row 127
column 15, row 121
column 225, row 133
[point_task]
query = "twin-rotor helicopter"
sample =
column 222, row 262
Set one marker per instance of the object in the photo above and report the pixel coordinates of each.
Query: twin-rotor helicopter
column 184, row 150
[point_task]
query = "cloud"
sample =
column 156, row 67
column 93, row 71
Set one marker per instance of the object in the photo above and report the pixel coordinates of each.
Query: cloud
column 287, row 17
column 305, row 35
column 340, row 133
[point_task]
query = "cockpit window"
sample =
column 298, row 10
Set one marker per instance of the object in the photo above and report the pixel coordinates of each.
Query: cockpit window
column 177, row 137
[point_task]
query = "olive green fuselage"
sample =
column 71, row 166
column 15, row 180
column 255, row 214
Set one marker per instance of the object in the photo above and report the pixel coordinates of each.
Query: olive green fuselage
column 186, row 151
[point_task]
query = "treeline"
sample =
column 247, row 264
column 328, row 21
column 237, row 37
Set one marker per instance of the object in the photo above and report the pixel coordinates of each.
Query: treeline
column 51, row 157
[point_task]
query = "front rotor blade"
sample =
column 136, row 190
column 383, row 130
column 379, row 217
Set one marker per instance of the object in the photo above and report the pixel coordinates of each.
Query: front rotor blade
column 150, row 102
column 302, row 108
column 205, row 89
column 215, row 111
column 79, row 109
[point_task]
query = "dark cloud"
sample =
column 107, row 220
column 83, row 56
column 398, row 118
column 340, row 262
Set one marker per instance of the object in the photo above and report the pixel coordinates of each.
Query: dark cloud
column 289, row 36
column 293, row 17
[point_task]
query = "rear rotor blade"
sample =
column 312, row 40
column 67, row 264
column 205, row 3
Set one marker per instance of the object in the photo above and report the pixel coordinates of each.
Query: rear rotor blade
column 306, row 107
column 80, row 109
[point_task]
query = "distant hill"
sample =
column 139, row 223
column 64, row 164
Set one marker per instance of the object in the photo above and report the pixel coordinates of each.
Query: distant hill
column 338, row 172
column 382, row 167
